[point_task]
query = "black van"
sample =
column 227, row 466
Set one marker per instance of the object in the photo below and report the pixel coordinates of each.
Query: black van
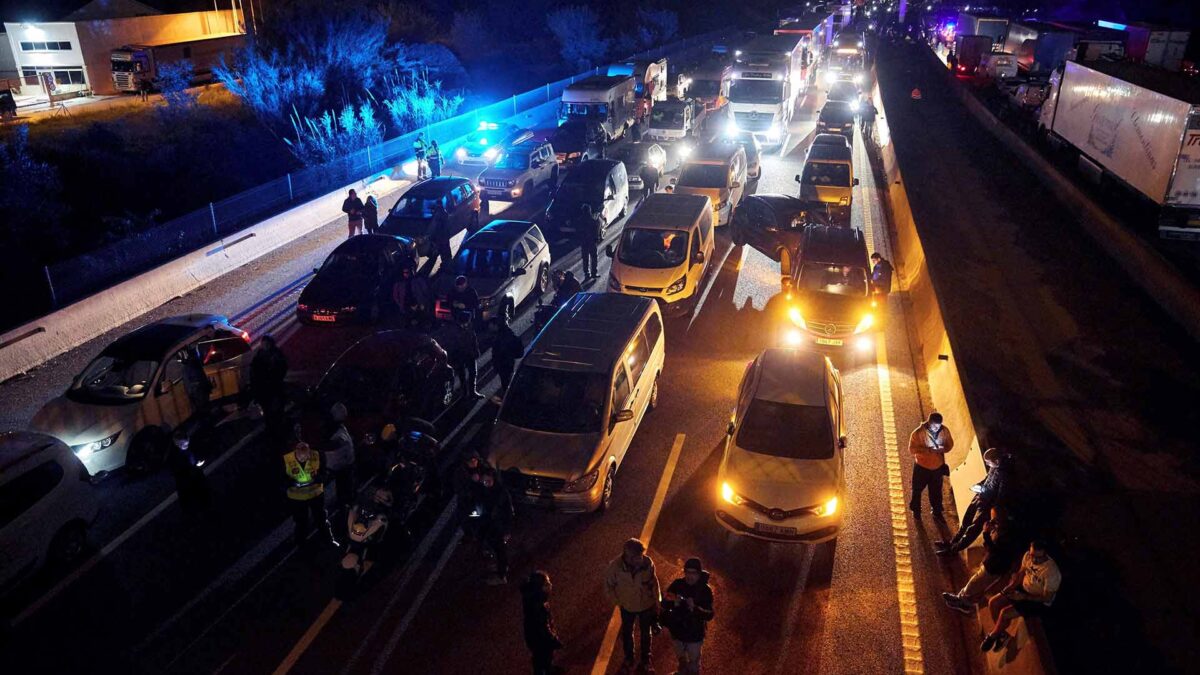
column 602, row 183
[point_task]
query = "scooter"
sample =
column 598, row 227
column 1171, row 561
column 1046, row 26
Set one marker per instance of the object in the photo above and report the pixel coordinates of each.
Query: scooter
column 389, row 505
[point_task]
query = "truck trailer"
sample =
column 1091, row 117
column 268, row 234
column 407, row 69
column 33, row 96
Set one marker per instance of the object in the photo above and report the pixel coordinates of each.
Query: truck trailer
column 994, row 27
column 1137, row 126
column 139, row 65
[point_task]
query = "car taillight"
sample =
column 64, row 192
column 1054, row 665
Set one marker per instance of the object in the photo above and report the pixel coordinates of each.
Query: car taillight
column 246, row 336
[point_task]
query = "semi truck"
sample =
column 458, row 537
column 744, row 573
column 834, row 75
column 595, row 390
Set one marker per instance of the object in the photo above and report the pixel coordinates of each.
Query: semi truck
column 847, row 59
column 608, row 99
column 1136, row 126
column 767, row 77
column 138, row 66
column 994, row 27
column 709, row 85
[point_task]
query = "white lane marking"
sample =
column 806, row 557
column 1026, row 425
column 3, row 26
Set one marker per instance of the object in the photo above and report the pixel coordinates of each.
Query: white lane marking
column 660, row 495
column 308, row 637
column 386, row 654
column 910, row 631
column 116, row 543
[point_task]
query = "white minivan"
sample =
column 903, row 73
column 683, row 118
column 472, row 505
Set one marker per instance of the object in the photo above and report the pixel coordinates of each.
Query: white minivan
column 718, row 171
column 665, row 251
column 576, row 401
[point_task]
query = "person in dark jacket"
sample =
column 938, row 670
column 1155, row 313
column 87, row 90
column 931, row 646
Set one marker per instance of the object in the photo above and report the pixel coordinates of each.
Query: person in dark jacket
column 687, row 607
column 568, row 286
column 650, row 177
column 370, row 214
column 881, row 275
column 987, row 493
column 497, row 512
column 190, row 482
column 589, row 235
column 353, row 208
column 1001, row 549
column 439, row 236
column 268, row 370
column 410, row 294
column 463, row 351
column 463, row 297
column 540, row 636
column 506, row 349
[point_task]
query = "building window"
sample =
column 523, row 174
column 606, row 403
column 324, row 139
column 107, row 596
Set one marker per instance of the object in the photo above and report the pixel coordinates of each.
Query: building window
column 45, row 46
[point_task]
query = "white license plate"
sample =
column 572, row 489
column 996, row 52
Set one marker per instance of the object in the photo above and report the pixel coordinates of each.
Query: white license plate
column 829, row 341
column 775, row 529
column 324, row 317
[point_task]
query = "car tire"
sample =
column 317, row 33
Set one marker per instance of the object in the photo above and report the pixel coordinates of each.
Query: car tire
column 607, row 490
column 67, row 546
column 148, row 451
column 653, row 403
column 543, row 281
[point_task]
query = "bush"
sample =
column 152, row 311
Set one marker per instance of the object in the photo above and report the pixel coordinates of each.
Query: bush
column 174, row 79
column 330, row 137
column 30, row 199
column 657, row 27
column 414, row 102
column 577, row 30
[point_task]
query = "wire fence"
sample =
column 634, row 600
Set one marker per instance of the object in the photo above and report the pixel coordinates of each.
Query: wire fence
column 70, row 280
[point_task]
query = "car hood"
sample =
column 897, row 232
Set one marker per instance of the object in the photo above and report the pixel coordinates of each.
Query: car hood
column 565, row 456
column 329, row 291
column 486, row 288
column 74, row 423
column 831, row 307
column 501, row 174
column 650, row 277
column 779, row 482
column 566, row 209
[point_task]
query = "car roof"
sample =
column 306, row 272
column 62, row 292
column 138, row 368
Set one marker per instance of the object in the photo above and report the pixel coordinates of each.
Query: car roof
column 585, row 334
column 792, row 376
column 18, row 446
column 528, row 145
column 592, row 170
column 714, row 152
column 153, row 340
column 499, row 233
column 834, row 244
column 435, row 187
column 831, row 139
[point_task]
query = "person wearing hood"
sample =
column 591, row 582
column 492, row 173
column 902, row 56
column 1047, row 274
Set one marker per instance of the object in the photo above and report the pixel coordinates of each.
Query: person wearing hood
column 370, row 212
column 986, row 493
column 340, row 454
column 540, row 635
column 632, row 585
column 686, row 609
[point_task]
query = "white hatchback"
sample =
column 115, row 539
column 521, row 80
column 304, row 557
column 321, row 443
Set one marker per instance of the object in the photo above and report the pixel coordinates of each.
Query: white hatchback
column 782, row 477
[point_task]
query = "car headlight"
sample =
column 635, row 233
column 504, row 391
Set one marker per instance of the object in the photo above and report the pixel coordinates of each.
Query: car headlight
column 584, row 482
column 830, row 77
column 684, row 151
column 677, row 285
column 796, row 317
column 730, row 496
column 865, row 324
column 84, row 450
column 460, row 153
column 613, row 283
column 490, row 153
column 828, row 508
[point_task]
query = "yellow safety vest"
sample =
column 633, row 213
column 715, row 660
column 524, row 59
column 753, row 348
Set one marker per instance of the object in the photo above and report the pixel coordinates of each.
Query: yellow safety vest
column 304, row 476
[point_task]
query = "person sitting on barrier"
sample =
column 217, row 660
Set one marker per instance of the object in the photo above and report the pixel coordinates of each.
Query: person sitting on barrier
column 1030, row 594
column 987, row 493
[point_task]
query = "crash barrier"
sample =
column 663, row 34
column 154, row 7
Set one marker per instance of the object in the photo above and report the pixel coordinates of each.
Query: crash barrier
column 1028, row 653
column 201, row 246
column 1145, row 266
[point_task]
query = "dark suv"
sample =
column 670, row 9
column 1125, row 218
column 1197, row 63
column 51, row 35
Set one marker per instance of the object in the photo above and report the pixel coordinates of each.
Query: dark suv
column 833, row 306
column 413, row 213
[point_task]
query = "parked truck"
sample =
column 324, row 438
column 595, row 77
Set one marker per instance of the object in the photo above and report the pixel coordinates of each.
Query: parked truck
column 138, row 66
column 1137, row 126
column 767, row 77
column 649, row 82
column 969, row 49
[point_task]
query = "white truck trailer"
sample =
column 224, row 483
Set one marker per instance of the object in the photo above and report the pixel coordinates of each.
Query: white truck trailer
column 1137, row 125
column 138, row 64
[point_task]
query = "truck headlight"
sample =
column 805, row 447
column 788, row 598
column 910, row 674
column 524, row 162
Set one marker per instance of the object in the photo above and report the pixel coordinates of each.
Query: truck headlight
column 865, row 324
column 84, row 450
column 460, row 153
column 584, row 482
column 828, row 508
column 774, row 132
column 677, row 286
column 796, row 317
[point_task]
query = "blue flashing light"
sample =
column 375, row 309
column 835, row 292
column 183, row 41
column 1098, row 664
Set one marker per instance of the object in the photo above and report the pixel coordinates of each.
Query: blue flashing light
column 1111, row 24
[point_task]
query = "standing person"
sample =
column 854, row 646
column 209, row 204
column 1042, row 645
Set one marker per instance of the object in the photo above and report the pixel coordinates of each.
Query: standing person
column 340, row 455
column 190, row 482
column 419, row 149
column 410, row 294
column 196, row 384
column 306, row 493
column 353, row 208
column 464, row 352
column 268, row 370
column 1030, row 593
column 463, row 297
column 506, row 349
column 370, row 214
column 540, row 636
column 650, row 177
column 631, row 584
column 1000, row 552
column 867, row 118
column 498, row 512
column 144, row 89
column 439, row 236
column 635, row 130
column 435, row 160
column 987, row 493
column 687, row 607
column 485, row 207
column 929, row 444
column 589, row 234
column 881, row 275
column 952, row 61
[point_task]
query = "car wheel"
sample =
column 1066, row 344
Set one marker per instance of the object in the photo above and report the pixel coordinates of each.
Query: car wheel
column 148, row 451
column 543, row 281
column 653, row 395
column 607, row 490
column 67, row 546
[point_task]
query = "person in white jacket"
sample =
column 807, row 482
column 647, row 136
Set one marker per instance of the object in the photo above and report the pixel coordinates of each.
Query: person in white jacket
column 1030, row 592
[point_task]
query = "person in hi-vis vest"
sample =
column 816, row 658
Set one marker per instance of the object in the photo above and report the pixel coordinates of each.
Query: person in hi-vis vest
column 306, row 493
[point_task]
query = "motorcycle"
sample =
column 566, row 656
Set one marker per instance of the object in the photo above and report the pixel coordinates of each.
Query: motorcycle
column 389, row 505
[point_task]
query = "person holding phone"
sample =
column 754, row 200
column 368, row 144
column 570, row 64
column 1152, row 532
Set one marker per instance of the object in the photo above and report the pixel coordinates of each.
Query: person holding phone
column 929, row 444
column 687, row 608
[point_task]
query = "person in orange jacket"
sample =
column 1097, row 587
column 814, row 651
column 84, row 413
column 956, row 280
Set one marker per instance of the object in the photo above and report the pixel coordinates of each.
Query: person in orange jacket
column 929, row 444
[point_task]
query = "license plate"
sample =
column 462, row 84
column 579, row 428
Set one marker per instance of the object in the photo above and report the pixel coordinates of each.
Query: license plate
column 775, row 529
column 832, row 342
column 324, row 317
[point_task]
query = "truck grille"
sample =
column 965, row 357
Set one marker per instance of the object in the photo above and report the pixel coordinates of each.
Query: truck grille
column 494, row 182
column 515, row 480
column 124, row 81
column 752, row 121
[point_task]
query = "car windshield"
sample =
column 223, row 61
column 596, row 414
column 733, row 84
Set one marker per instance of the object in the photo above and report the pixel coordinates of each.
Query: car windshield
column 482, row 263
column 653, row 249
column 786, row 430
column 415, row 206
column 513, row 160
column 555, row 401
column 112, row 378
column 703, row 176
column 704, row 88
column 756, row 91
column 120, row 66
column 826, row 174
column 836, row 279
column 665, row 118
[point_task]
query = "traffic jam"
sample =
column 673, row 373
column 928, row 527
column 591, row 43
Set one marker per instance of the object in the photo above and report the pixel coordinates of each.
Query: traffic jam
column 496, row 338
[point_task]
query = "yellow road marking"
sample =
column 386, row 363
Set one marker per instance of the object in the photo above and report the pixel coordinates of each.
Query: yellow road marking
column 307, row 639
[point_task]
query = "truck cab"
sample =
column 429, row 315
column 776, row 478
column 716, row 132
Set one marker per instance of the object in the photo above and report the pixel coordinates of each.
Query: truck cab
column 673, row 120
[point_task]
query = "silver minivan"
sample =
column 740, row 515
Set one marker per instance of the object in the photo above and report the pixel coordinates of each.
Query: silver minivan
column 576, row 401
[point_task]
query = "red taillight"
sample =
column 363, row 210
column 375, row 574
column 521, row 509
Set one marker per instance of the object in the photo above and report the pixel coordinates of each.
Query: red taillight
column 246, row 337
column 962, row 67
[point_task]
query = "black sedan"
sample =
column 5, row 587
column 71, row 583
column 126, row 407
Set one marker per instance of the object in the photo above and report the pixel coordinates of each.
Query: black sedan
column 578, row 141
column 772, row 223
column 355, row 281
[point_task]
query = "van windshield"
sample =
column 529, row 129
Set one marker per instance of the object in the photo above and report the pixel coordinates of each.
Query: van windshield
column 113, row 379
column 826, row 174
column 555, row 401
column 836, row 279
column 665, row 118
column 704, row 176
column 786, row 430
column 653, row 249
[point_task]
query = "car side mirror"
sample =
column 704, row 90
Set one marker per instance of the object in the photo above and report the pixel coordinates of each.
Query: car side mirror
column 520, row 271
column 729, row 429
column 623, row 415
column 797, row 178
column 735, row 185
column 856, row 181
column 608, row 251
column 842, row 442
column 699, row 257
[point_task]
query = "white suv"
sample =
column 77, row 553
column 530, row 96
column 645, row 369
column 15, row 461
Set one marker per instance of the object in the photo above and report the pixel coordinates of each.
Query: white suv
column 46, row 505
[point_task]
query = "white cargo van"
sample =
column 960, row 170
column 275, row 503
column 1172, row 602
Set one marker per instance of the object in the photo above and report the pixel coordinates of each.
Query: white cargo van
column 665, row 251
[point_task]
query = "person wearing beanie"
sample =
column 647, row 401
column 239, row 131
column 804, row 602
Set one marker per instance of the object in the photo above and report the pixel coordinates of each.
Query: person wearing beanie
column 987, row 493
column 686, row 609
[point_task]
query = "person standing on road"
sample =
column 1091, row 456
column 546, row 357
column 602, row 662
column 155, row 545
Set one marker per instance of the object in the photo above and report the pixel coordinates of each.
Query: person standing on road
column 686, row 609
column 340, row 455
column 353, row 208
column 439, row 236
column 506, row 349
column 1000, row 552
column 498, row 511
column 589, row 233
column 410, row 294
column 306, row 493
column 650, row 177
column 1030, row 593
column 631, row 584
column 987, row 493
column 435, row 160
column 952, row 61
column 929, row 444
column 190, row 482
column 540, row 636
column 881, row 275
column 866, row 117
column 463, row 298
column 419, row 149
column 464, row 352
column 370, row 214
column 268, row 370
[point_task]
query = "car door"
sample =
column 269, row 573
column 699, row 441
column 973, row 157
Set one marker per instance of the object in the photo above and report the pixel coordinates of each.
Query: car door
column 29, row 517
column 756, row 225
column 521, row 284
column 169, row 399
column 456, row 214
column 637, row 357
column 621, row 433
column 697, row 260
column 610, row 208
column 226, row 358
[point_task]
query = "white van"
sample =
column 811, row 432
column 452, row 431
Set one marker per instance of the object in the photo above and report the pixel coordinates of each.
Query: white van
column 576, row 401
column 717, row 171
column 665, row 250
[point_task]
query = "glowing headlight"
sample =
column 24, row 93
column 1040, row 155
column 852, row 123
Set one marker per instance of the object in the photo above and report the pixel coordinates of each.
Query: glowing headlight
column 858, row 78
column 774, row 132
column 86, row 449
column 796, row 317
column 865, row 324
column 684, row 151
column 863, row 343
column 828, row 508
column 677, row 286
column 730, row 496
column 793, row 338
column 490, row 153
column 830, row 77
column 584, row 482
column 854, row 106
column 461, row 153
